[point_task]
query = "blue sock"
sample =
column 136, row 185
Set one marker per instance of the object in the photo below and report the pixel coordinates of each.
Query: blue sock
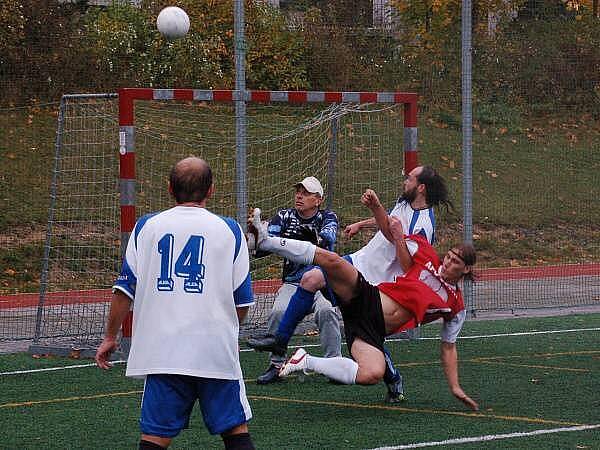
column 300, row 305
column 391, row 374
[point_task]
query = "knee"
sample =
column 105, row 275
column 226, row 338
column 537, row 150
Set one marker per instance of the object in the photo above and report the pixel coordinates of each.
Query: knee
column 312, row 280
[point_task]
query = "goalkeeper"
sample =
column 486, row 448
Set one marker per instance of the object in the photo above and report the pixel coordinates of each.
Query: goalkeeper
column 305, row 222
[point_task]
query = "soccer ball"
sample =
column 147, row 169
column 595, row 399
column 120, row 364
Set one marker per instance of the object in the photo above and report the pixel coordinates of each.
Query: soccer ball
column 173, row 22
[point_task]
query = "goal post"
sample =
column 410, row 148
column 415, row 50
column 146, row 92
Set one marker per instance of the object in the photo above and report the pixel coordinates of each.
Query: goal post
column 127, row 139
column 128, row 97
column 351, row 141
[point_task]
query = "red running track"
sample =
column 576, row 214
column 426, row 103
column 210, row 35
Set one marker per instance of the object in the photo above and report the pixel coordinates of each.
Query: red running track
column 270, row 286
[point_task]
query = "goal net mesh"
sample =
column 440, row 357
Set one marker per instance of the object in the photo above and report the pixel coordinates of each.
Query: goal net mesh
column 348, row 147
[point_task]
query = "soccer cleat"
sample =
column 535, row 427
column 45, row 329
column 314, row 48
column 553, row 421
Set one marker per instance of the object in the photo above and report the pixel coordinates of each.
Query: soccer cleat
column 296, row 363
column 395, row 391
column 261, row 228
column 271, row 375
column 268, row 343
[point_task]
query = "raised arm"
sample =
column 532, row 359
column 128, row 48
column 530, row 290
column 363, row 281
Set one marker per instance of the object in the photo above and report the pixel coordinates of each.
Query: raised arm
column 449, row 359
column 371, row 201
column 403, row 256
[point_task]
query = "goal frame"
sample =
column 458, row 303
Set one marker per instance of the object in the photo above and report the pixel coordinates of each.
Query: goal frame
column 127, row 160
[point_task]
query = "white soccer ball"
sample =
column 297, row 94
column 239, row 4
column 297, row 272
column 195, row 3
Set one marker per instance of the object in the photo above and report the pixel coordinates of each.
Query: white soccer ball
column 173, row 22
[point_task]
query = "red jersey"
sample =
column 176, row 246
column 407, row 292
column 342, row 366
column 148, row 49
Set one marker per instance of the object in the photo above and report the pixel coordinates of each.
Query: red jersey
column 422, row 290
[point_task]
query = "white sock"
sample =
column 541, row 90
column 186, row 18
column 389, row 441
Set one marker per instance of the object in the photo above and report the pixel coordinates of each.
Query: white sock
column 340, row 369
column 297, row 251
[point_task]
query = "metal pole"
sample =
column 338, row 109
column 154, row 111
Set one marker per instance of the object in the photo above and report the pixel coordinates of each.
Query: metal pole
column 467, row 132
column 53, row 194
column 240, row 113
column 331, row 162
column 45, row 261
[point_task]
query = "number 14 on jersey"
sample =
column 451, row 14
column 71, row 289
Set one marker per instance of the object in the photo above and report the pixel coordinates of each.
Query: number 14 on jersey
column 187, row 266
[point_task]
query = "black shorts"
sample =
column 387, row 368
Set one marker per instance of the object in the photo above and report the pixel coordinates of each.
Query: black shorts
column 363, row 316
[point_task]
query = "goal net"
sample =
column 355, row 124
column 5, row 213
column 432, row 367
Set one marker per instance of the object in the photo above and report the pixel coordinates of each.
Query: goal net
column 350, row 141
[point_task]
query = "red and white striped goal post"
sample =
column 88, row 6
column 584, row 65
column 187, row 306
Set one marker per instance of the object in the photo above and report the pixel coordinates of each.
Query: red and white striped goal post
column 128, row 96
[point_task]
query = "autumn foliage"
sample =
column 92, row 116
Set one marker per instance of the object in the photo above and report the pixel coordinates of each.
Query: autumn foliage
column 529, row 56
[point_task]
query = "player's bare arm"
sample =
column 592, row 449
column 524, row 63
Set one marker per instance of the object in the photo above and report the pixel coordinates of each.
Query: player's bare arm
column 449, row 359
column 119, row 308
column 371, row 201
column 402, row 254
column 355, row 227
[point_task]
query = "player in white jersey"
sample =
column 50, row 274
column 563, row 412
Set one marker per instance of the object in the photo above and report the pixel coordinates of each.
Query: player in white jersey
column 423, row 189
column 186, row 270
column 426, row 292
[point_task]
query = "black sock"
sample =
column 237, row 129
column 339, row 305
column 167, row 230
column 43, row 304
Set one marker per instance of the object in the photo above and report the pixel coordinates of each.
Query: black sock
column 147, row 445
column 240, row 441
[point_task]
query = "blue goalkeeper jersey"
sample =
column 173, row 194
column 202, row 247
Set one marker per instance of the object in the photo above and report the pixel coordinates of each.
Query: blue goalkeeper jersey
column 288, row 223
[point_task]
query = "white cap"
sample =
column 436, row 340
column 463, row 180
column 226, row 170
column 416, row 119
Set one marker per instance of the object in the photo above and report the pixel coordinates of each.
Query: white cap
column 312, row 185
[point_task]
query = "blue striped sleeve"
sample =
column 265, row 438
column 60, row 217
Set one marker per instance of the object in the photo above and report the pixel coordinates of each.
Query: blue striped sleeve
column 126, row 282
column 242, row 296
column 432, row 219
column 329, row 230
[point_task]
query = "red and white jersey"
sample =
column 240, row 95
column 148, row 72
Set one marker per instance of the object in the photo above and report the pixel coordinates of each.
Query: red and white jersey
column 424, row 292
column 376, row 261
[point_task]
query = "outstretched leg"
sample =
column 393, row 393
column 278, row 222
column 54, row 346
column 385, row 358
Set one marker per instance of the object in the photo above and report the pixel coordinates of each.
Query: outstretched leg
column 341, row 275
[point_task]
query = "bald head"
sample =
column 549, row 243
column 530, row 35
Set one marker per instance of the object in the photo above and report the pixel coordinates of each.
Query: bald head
column 190, row 180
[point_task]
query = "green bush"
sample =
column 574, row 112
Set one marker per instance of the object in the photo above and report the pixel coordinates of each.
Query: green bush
column 127, row 46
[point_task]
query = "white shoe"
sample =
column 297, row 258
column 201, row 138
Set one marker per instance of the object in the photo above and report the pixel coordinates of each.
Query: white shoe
column 261, row 228
column 297, row 362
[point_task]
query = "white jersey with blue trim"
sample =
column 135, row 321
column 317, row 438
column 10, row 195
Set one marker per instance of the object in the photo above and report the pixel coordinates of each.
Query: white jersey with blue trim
column 376, row 261
column 187, row 270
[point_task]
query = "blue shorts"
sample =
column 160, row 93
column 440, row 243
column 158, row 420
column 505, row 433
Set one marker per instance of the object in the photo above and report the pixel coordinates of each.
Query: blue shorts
column 168, row 401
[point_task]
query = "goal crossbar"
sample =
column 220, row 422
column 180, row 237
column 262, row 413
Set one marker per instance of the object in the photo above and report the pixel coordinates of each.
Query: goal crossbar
column 128, row 97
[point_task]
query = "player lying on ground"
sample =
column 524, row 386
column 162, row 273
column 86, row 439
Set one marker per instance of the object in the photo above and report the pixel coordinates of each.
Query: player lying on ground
column 427, row 292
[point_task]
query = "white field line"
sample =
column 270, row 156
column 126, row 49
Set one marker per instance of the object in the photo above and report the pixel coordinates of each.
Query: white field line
column 51, row 369
column 484, row 336
column 490, row 437
column 524, row 333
